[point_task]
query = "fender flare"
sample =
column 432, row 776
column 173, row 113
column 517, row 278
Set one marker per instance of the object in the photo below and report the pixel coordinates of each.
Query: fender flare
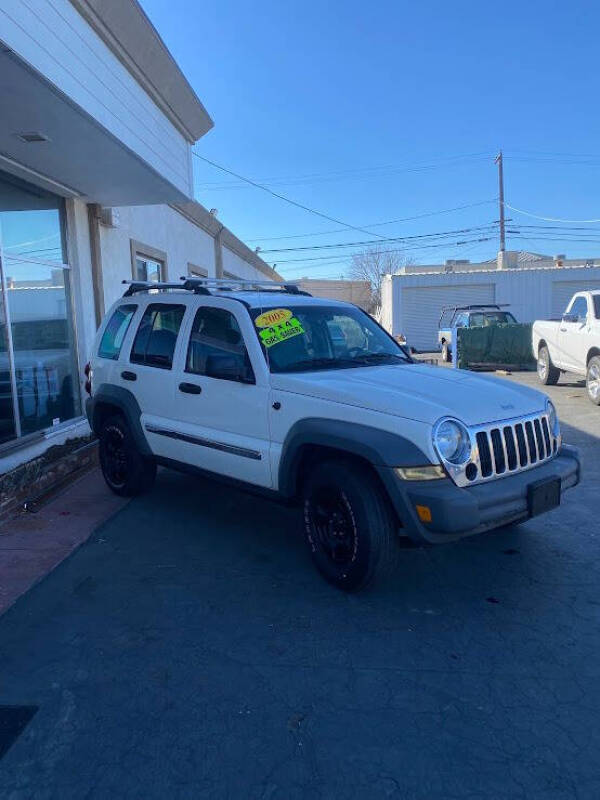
column 378, row 447
column 125, row 401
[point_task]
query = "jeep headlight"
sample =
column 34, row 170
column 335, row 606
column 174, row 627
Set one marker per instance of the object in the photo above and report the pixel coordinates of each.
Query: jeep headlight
column 452, row 441
column 553, row 419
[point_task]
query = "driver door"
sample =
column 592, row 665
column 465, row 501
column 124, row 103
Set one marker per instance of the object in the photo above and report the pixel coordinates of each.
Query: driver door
column 572, row 339
column 220, row 412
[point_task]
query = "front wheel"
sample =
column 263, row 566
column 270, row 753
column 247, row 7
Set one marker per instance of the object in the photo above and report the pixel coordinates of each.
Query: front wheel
column 547, row 372
column 348, row 524
column 592, row 381
column 125, row 470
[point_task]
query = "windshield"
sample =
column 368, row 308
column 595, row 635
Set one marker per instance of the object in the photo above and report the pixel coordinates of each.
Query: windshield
column 306, row 338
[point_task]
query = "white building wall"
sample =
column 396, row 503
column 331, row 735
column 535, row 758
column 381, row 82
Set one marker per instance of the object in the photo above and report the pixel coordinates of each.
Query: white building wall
column 235, row 265
column 161, row 228
column 54, row 39
column 530, row 293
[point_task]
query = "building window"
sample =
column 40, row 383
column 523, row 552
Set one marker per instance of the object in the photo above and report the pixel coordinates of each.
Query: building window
column 148, row 263
column 38, row 366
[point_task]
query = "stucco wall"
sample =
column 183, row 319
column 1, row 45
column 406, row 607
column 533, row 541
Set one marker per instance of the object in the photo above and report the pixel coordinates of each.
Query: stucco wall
column 158, row 227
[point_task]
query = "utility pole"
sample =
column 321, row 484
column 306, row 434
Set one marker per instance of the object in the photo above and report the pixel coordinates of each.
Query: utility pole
column 501, row 200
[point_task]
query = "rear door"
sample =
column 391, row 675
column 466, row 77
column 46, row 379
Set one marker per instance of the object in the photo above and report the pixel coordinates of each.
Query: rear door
column 149, row 373
column 220, row 414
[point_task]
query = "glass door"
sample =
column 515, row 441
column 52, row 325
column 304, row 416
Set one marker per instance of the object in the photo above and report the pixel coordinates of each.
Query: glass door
column 39, row 384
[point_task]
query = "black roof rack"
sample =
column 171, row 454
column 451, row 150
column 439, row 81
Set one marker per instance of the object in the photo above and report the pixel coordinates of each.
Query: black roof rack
column 204, row 286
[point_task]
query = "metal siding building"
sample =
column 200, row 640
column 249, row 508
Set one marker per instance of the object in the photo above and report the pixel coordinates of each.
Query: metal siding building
column 412, row 303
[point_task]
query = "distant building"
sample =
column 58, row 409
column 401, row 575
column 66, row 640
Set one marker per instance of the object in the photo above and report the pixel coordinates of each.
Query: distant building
column 535, row 286
column 357, row 292
column 509, row 259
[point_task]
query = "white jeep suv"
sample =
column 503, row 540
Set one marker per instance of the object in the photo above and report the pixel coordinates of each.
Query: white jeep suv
column 312, row 401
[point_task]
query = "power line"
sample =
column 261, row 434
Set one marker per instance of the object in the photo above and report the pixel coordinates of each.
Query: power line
column 375, row 224
column 550, row 219
column 362, row 172
column 286, row 199
column 491, row 226
column 396, row 250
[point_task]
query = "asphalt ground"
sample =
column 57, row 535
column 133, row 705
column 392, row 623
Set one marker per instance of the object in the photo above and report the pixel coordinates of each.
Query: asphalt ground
column 189, row 650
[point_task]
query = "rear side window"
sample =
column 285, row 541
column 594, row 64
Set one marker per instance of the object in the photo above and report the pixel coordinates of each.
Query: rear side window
column 114, row 333
column 156, row 337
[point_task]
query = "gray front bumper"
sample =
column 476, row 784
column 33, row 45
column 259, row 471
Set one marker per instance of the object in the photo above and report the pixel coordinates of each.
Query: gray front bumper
column 458, row 512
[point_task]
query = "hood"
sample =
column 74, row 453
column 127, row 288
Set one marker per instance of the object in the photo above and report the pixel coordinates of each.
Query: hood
column 418, row 391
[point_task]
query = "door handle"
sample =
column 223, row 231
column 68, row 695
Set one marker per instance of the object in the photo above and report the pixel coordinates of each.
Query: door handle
column 563, row 329
column 190, row 388
column 128, row 376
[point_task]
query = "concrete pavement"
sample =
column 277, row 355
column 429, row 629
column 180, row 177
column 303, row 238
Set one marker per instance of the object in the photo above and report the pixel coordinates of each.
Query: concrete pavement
column 189, row 650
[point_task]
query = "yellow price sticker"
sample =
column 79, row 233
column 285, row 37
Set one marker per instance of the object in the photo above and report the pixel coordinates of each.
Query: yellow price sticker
column 272, row 317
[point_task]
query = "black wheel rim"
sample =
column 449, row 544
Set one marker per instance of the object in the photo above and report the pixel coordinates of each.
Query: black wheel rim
column 332, row 525
column 115, row 456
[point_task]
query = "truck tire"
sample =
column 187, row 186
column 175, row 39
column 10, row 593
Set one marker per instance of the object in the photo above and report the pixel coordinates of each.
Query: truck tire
column 349, row 525
column 547, row 372
column 592, row 380
column 446, row 353
column 126, row 472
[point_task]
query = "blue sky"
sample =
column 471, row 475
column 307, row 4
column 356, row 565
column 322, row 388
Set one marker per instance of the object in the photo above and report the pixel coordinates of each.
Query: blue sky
column 393, row 110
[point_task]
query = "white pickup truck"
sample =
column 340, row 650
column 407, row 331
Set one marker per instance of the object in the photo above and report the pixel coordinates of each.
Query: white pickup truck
column 571, row 344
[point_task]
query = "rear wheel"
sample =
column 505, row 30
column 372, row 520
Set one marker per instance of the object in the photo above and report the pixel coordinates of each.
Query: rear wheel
column 349, row 525
column 593, row 380
column 446, row 354
column 547, row 372
column 125, row 470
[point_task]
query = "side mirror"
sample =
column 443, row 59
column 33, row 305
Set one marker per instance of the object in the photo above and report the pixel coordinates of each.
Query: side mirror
column 229, row 368
column 570, row 317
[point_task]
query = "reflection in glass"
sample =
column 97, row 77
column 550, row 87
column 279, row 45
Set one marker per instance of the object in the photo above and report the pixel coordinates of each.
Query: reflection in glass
column 147, row 269
column 7, row 420
column 32, row 233
column 43, row 343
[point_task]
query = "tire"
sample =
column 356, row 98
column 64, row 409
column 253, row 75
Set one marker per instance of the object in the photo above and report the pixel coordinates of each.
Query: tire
column 446, row 353
column 592, row 380
column 364, row 545
column 126, row 472
column 547, row 372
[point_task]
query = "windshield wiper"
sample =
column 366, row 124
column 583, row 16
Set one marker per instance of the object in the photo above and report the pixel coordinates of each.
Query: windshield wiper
column 375, row 358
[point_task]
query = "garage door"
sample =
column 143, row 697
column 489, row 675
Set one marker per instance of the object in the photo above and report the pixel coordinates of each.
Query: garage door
column 422, row 306
column 562, row 291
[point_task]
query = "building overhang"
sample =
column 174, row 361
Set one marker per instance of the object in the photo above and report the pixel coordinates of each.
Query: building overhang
column 79, row 157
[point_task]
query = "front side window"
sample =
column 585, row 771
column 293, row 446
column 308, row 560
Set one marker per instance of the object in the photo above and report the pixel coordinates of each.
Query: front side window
column 597, row 306
column 306, row 338
column 216, row 340
column 114, row 333
column 156, row 337
column 579, row 309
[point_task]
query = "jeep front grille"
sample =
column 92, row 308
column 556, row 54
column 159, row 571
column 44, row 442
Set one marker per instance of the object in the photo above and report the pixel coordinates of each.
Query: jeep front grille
column 509, row 447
